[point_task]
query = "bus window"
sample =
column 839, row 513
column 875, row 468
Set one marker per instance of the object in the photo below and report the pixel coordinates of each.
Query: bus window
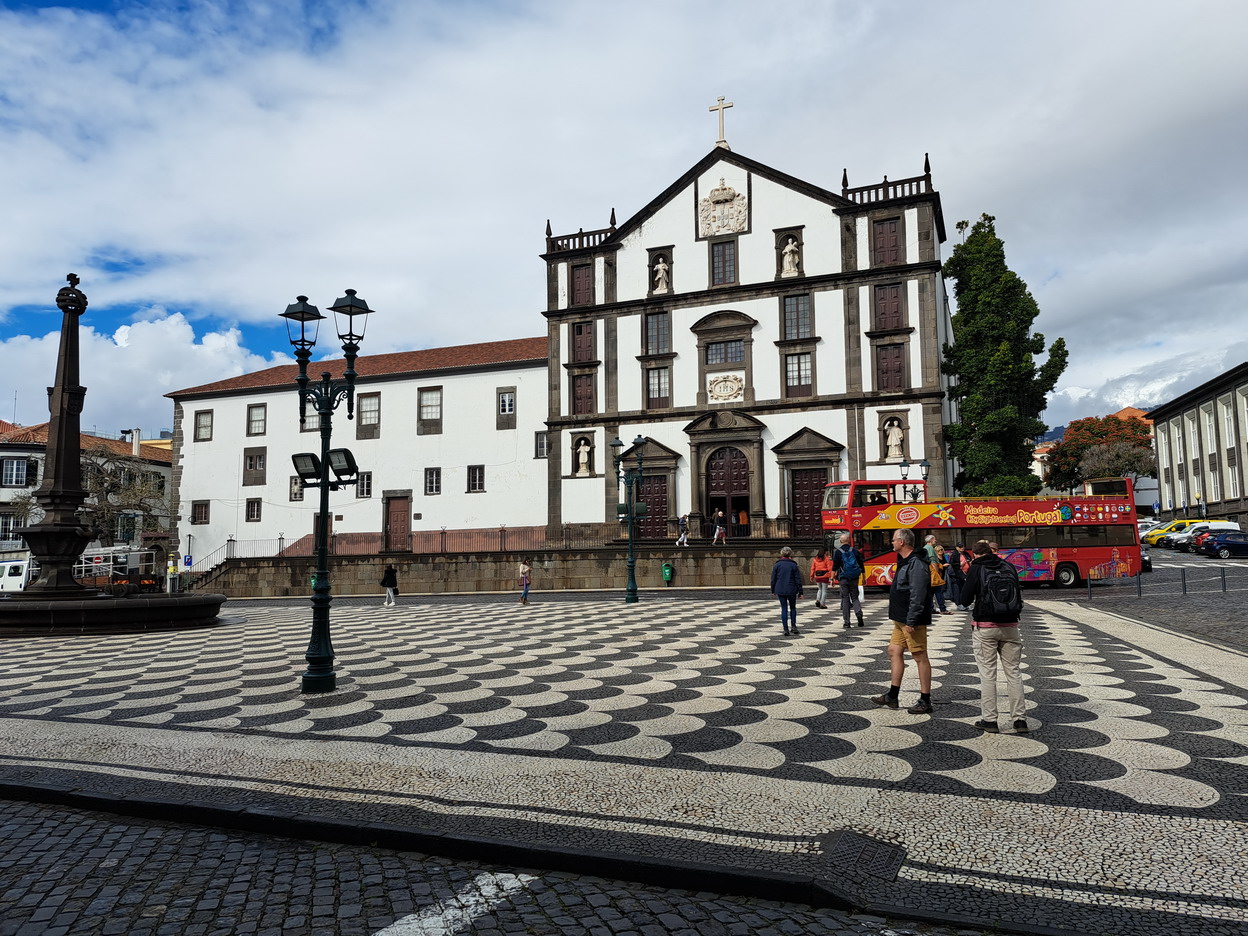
column 836, row 497
column 1108, row 487
column 1016, row 537
column 874, row 542
column 870, row 495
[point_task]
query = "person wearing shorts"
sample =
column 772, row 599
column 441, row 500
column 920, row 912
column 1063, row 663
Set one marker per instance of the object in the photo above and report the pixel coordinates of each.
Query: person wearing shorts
column 910, row 612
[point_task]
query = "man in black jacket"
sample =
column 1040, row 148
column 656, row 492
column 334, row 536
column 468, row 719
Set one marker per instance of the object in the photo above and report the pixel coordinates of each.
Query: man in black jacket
column 995, row 632
column 910, row 612
column 786, row 584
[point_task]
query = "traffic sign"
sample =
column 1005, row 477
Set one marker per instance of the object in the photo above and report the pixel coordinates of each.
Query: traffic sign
column 186, row 560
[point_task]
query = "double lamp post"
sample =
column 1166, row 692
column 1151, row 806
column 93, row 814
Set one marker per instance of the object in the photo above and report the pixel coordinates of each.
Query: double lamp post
column 313, row 470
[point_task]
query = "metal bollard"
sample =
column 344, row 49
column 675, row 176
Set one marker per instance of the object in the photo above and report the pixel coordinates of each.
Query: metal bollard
column 1139, row 585
column 1089, row 581
column 1224, row 580
column 1183, row 579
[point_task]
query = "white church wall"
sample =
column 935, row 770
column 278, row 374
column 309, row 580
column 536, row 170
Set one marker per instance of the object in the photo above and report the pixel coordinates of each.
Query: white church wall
column 561, row 285
column 914, row 437
column 829, row 325
column 912, row 235
column 864, row 347
column 920, row 338
column 776, row 206
column 582, row 497
column 672, row 224
column 628, row 346
column 863, row 233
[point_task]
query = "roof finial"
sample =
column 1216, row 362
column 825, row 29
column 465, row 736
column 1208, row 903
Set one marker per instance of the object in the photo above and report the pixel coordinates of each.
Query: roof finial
column 927, row 165
column 844, row 181
column 548, row 231
column 612, row 217
column 721, row 107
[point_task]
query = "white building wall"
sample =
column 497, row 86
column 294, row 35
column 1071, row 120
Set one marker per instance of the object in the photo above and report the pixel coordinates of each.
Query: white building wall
column 916, row 451
column 561, row 285
column 864, row 243
column 582, row 497
column 628, row 346
column 212, row 470
column 919, row 341
column 912, row 235
column 864, row 348
column 829, row 312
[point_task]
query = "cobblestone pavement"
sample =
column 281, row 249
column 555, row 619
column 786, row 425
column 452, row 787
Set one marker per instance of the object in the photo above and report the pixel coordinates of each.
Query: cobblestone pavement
column 67, row 872
column 690, row 731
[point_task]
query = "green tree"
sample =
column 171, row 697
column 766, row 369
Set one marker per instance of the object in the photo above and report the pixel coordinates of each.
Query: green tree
column 1083, row 436
column 1000, row 389
column 1118, row 460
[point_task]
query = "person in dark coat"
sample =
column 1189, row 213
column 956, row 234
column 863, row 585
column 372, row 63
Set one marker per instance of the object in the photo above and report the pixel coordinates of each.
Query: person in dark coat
column 849, row 583
column 390, row 582
column 911, row 613
column 786, row 585
column 996, row 640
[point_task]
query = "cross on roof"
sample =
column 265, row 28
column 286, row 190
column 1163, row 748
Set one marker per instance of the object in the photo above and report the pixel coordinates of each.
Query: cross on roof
column 721, row 107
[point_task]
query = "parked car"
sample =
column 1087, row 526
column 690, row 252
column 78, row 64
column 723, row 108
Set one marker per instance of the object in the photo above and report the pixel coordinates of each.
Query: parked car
column 1193, row 545
column 1182, row 540
column 1173, row 526
column 1146, row 561
column 1225, row 545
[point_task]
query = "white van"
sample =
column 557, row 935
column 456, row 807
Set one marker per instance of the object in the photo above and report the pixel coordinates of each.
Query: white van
column 16, row 574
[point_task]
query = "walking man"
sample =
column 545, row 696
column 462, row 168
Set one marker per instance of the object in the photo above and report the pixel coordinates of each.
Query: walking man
column 720, row 522
column 849, row 564
column 910, row 612
column 682, row 525
column 992, row 586
column 390, row 582
column 786, row 584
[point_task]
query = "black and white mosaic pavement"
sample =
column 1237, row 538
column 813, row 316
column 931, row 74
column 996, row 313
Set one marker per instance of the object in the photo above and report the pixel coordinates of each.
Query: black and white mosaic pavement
column 1127, row 740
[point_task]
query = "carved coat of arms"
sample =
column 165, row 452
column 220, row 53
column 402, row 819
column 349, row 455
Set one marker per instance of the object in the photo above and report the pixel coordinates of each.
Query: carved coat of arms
column 722, row 211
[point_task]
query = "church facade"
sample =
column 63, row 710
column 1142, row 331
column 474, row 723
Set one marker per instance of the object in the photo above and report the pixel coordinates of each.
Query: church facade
column 747, row 335
column 762, row 335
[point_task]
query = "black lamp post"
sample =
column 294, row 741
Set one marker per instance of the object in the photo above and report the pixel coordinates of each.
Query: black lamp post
column 912, row 491
column 631, row 478
column 315, row 471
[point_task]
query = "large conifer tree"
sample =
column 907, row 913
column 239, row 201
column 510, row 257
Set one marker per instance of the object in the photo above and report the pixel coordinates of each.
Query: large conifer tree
column 1000, row 389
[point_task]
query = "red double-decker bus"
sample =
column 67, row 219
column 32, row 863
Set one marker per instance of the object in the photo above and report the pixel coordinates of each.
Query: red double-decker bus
column 1063, row 540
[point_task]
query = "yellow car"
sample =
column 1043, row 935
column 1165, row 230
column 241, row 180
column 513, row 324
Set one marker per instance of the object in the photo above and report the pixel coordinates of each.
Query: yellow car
column 1174, row 526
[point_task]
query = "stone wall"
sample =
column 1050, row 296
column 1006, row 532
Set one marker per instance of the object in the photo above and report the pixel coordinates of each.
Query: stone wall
column 552, row 570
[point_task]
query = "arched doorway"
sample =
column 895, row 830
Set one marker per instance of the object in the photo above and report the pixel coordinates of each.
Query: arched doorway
column 728, row 488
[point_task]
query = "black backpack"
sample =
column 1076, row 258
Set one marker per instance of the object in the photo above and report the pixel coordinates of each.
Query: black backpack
column 1000, row 595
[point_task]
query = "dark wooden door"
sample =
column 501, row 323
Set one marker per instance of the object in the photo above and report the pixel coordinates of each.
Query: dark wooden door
column 887, row 246
column 807, row 494
column 653, row 493
column 890, row 367
column 398, row 523
column 728, row 488
column 583, row 394
column 887, row 307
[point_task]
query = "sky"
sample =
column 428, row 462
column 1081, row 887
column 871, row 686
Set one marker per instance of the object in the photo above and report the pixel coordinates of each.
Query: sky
column 199, row 164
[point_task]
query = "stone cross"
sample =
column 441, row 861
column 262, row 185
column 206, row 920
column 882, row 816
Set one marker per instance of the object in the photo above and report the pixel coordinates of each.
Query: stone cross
column 721, row 107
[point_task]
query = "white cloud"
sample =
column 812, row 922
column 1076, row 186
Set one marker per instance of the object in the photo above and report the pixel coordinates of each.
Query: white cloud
column 415, row 150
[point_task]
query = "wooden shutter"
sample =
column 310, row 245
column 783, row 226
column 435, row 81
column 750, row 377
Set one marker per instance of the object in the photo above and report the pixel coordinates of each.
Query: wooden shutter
column 890, row 361
column 887, row 307
column 887, row 241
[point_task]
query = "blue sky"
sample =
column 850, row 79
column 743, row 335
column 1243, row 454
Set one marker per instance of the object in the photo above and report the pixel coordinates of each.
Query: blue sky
column 199, row 164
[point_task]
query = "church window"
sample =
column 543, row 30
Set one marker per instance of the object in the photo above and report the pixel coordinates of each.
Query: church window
column 583, row 342
column 433, row 481
column 541, row 443
column 582, row 284
column 364, row 484
column 583, row 394
column 203, row 426
column 254, row 465
column 476, row 479
column 725, row 352
column 887, row 313
column 200, row 511
column 658, row 387
column 797, row 380
column 368, row 416
column 296, row 488
column 8, row 523
column 797, row 317
column 724, row 262
column 429, row 408
column 253, row 510
column 658, row 333
column 257, row 419
column 886, row 242
column 890, row 367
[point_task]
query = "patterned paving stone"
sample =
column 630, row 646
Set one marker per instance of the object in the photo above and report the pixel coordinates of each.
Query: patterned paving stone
column 609, row 715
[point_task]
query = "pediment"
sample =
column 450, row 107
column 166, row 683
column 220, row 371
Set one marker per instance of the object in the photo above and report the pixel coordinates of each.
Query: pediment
column 725, row 319
column 726, row 420
column 807, row 442
column 651, row 450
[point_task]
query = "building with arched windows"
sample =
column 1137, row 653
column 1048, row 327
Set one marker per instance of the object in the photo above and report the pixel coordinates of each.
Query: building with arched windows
column 760, row 334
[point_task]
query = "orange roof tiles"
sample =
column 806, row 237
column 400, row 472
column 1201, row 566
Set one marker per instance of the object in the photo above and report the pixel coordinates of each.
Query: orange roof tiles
column 513, row 351
column 38, row 435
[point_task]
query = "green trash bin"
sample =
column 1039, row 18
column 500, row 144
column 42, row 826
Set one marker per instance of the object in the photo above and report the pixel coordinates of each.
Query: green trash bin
column 668, row 571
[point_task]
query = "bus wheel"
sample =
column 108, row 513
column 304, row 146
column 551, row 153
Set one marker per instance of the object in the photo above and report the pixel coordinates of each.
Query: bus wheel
column 1067, row 576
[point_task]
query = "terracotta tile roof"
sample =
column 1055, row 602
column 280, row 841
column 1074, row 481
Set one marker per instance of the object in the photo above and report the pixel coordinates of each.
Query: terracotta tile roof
column 1132, row 412
column 38, row 435
column 6, row 426
column 513, row 351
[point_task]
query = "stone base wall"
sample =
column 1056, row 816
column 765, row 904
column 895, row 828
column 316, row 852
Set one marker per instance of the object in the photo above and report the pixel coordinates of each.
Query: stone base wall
column 694, row 567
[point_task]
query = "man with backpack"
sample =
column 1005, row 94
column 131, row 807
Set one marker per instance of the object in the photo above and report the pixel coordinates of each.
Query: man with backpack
column 848, row 565
column 993, row 590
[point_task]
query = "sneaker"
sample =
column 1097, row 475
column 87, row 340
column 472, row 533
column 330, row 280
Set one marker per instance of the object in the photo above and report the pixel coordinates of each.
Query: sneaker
column 796, row 632
column 885, row 699
column 920, row 708
column 1020, row 724
column 984, row 725
column 860, row 624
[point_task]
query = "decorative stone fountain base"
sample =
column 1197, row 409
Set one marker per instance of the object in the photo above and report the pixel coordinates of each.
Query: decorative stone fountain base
column 103, row 613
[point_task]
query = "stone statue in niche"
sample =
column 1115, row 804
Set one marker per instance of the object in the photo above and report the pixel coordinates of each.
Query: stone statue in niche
column 582, row 458
column 660, row 274
column 894, row 439
column 792, row 254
